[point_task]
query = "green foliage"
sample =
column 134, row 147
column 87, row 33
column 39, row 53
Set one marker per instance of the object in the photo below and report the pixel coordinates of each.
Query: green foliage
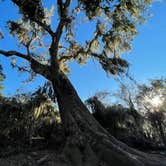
column 116, row 26
column 114, row 21
column 25, row 116
column 30, row 8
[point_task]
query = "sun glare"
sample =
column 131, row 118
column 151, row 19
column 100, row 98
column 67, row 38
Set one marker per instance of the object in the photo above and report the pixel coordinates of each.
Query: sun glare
column 156, row 101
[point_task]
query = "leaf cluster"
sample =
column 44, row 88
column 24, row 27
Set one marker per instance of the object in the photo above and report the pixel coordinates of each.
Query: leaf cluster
column 31, row 9
column 114, row 65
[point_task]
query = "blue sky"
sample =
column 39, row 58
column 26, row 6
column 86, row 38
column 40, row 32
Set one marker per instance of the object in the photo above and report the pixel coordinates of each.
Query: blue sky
column 147, row 58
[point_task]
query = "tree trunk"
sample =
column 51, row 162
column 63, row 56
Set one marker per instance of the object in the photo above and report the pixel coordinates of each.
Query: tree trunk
column 161, row 131
column 87, row 143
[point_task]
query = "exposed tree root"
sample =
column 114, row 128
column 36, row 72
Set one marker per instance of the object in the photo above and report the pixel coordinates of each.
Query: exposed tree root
column 106, row 153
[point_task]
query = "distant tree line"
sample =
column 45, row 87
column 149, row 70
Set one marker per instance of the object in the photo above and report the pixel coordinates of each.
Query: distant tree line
column 140, row 121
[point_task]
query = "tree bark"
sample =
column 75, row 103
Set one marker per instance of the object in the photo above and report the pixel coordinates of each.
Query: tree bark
column 161, row 131
column 87, row 143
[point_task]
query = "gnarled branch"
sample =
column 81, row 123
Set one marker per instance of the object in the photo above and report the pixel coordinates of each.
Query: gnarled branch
column 74, row 56
column 18, row 54
column 56, row 38
column 44, row 26
column 35, row 65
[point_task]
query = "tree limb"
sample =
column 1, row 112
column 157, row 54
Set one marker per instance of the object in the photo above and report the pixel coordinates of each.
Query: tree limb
column 60, row 7
column 56, row 38
column 25, row 6
column 74, row 56
column 18, row 54
column 67, row 3
column 44, row 26
column 35, row 65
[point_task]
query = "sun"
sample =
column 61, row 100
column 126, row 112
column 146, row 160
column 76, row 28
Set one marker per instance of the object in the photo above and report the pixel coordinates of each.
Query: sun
column 153, row 102
column 156, row 101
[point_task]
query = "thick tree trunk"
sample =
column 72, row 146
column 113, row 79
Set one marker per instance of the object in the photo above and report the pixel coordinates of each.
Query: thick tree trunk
column 87, row 143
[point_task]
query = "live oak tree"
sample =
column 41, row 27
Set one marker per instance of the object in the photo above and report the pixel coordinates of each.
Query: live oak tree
column 48, row 51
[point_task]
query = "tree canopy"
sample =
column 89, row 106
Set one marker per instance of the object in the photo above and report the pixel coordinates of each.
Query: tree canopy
column 114, row 26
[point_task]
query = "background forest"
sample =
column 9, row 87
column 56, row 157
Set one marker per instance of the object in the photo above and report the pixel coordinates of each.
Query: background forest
column 137, row 116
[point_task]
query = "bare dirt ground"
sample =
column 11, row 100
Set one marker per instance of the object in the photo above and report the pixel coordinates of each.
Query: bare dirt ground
column 46, row 157
column 33, row 158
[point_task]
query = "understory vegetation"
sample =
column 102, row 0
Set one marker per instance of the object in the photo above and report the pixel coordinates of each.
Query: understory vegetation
column 33, row 120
